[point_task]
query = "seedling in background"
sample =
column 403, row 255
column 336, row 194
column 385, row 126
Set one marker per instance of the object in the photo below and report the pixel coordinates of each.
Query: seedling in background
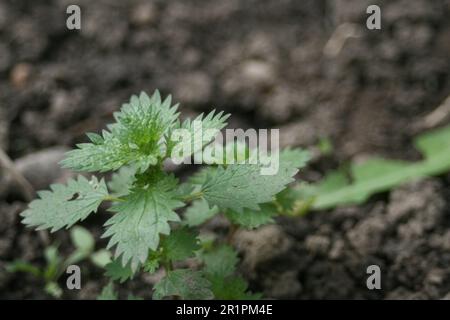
column 56, row 264
column 355, row 185
column 147, row 232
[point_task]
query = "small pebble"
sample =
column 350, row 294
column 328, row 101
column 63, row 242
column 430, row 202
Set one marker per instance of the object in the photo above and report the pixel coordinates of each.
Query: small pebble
column 20, row 75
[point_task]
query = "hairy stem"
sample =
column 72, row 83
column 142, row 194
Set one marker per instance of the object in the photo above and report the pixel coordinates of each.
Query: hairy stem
column 167, row 265
column 113, row 199
column 192, row 196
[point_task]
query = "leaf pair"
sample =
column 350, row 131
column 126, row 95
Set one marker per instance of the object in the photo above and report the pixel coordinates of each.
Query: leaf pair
column 241, row 192
column 216, row 280
column 179, row 245
column 137, row 137
column 139, row 220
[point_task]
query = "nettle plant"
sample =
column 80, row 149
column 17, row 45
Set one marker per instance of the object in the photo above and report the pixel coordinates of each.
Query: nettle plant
column 147, row 226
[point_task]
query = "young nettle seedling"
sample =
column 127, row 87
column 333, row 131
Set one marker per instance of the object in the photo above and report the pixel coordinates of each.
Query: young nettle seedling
column 56, row 264
column 147, row 227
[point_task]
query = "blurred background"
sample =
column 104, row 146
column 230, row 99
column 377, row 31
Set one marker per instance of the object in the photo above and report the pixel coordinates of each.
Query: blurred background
column 308, row 67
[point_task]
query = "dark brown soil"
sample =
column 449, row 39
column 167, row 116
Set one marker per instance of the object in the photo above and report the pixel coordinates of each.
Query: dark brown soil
column 269, row 64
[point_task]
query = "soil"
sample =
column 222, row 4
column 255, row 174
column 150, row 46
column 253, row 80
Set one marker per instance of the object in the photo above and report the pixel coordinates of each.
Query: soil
column 272, row 64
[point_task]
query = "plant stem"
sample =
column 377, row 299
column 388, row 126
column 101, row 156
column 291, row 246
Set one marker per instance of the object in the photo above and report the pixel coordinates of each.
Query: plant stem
column 192, row 196
column 112, row 198
column 231, row 232
column 167, row 265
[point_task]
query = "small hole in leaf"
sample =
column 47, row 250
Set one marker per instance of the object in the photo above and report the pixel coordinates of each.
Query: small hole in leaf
column 75, row 196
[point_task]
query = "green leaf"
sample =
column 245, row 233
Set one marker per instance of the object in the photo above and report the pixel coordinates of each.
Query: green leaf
column 434, row 142
column 236, row 152
column 82, row 239
column 152, row 263
column 101, row 258
column 241, row 186
column 199, row 133
column 108, row 293
column 370, row 177
column 220, row 266
column 63, row 206
column 325, row 146
column 251, row 219
column 23, row 266
column 116, row 271
column 95, row 138
column 199, row 212
column 53, row 289
column 231, row 288
column 141, row 218
column 184, row 190
column 295, row 201
column 51, row 255
column 374, row 168
column 54, row 263
column 121, row 181
column 180, row 244
column 296, row 158
column 207, row 240
column 220, row 261
column 333, row 181
column 183, row 283
column 200, row 177
column 137, row 137
column 379, row 175
column 83, row 242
